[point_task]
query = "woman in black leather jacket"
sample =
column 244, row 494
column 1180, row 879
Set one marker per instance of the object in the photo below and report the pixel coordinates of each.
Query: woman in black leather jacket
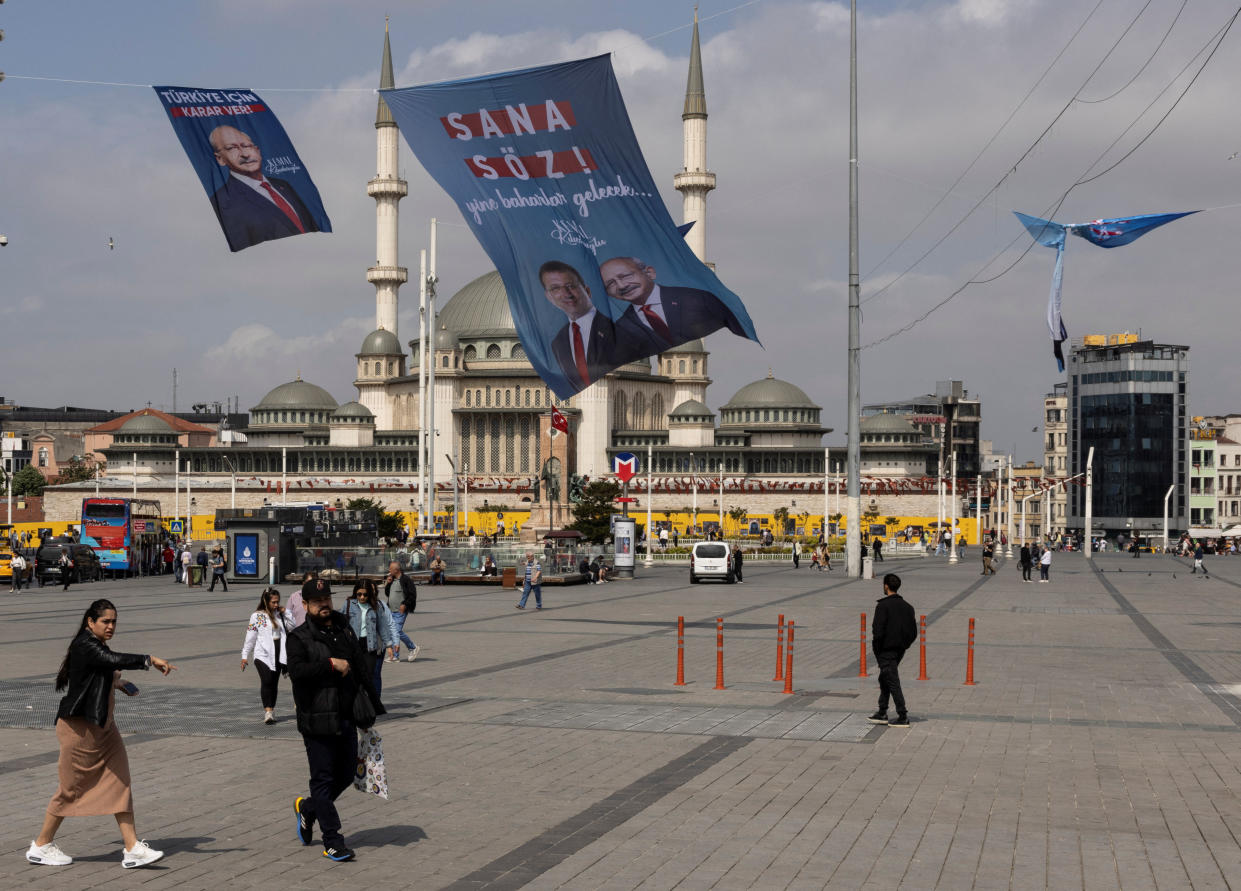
column 94, row 769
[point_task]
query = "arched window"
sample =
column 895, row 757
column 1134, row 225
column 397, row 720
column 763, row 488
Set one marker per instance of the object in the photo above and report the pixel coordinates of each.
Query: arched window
column 493, row 351
column 695, row 366
column 445, row 362
column 519, row 352
column 681, row 366
column 43, row 457
column 638, row 415
column 538, row 398
column 527, row 398
column 467, row 397
column 508, row 398
column 471, row 353
column 620, row 412
column 391, row 367
column 657, row 412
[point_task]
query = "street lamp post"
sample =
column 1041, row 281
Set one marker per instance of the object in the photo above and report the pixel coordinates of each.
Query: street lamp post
column 456, row 516
column 721, row 499
column 693, row 469
column 1009, row 501
column 952, row 544
column 1167, row 495
column 650, row 455
column 1089, row 503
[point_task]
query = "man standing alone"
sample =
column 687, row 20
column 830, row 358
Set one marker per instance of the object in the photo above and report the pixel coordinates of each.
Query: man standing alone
column 893, row 631
column 533, row 581
column 328, row 673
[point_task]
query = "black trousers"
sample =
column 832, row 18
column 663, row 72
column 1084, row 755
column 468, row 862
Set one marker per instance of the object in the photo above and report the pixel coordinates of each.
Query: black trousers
column 890, row 681
column 1026, row 568
column 333, row 761
column 220, row 576
column 738, row 570
column 269, row 683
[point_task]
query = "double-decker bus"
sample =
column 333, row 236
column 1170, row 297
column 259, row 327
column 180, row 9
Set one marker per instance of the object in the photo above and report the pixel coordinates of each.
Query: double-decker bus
column 124, row 532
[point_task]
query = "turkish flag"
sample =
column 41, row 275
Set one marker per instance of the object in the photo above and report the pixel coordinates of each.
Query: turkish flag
column 559, row 422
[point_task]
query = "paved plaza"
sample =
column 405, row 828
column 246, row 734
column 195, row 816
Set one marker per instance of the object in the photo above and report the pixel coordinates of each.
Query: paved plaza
column 1099, row 748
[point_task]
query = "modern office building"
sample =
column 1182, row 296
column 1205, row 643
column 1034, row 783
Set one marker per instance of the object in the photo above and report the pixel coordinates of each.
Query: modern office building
column 1056, row 451
column 1127, row 398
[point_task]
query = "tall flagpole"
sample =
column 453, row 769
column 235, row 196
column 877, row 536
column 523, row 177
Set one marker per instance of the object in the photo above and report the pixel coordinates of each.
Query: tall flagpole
column 853, row 563
column 422, row 392
column 431, row 382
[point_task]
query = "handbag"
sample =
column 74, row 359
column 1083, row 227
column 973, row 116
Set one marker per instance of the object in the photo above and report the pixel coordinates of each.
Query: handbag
column 371, row 775
column 364, row 714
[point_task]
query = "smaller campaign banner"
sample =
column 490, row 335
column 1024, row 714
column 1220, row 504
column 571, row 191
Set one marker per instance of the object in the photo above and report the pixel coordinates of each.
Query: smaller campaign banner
column 257, row 184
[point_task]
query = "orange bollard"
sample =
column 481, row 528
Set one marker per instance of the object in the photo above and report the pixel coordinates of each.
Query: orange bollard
column 788, row 671
column 680, row 681
column 922, row 650
column 780, row 650
column 719, row 653
column 969, row 658
column 862, row 651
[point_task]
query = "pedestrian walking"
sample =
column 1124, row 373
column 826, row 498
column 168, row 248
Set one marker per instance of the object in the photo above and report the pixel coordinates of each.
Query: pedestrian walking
column 876, row 548
column 406, row 596
column 94, row 768
column 676, row 537
column 532, row 581
column 371, row 621
column 738, row 560
column 893, row 631
column 1027, row 563
column 827, row 558
column 814, row 559
column 1044, row 566
column 187, row 559
column 67, row 568
column 203, row 561
column 334, row 697
column 796, row 554
column 266, row 644
column 18, row 567
column 1198, row 552
column 663, row 539
column 988, row 554
column 218, row 567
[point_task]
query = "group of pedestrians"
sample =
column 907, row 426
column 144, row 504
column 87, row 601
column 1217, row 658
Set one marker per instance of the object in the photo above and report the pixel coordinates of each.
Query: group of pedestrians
column 1032, row 555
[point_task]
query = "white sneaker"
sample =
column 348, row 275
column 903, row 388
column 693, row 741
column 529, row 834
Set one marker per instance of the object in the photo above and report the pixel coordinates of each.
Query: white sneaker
column 48, row 855
column 141, row 855
column 413, row 654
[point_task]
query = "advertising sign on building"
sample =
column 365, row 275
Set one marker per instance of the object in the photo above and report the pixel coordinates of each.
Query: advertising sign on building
column 246, row 557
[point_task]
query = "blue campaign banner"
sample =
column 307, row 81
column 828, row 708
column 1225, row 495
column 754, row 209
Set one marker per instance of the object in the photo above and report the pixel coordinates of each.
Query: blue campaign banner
column 257, row 184
column 246, row 555
column 544, row 165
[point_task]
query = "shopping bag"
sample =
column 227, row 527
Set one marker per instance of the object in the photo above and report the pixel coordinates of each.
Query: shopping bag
column 371, row 775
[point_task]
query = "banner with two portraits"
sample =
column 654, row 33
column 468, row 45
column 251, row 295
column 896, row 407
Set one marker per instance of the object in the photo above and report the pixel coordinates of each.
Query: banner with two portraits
column 544, row 166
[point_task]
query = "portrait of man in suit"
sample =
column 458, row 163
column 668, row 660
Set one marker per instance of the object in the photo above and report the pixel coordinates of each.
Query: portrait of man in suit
column 253, row 208
column 590, row 344
column 670, row 314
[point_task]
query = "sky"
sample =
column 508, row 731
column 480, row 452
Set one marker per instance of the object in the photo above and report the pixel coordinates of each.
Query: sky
column 953, row 96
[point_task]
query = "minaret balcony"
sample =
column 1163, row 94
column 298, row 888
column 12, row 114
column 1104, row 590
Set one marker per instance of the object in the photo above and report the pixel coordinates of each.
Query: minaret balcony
column 695, row 180
column 387, row 187
column 387, row 274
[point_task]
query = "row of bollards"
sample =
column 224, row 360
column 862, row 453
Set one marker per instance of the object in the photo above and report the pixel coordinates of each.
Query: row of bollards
column 784, row 653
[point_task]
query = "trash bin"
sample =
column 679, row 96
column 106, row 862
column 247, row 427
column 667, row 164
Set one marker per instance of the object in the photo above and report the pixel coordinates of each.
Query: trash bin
column 868, row 567
column 196, row 575
column 509, row 577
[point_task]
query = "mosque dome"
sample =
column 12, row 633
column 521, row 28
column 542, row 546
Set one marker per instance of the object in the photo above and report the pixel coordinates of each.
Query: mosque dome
column 690, row 410
column 298, row 394
column 380, row 342
column 480, row 309
column 770, row 392
column 694, row 346
column 446, row 340
column 352, row 413
column 144, row 423
column 885, row 422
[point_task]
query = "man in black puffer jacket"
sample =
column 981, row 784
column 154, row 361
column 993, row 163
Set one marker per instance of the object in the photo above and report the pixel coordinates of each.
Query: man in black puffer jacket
column 893, row 631
column 326, row 666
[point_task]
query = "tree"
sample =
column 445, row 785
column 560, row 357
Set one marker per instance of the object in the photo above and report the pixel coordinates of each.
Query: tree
column 738, row 516
column 80, row 470
column 28, row 481
column 891, row 521
column 592, row 515
column 781, row 516
column 389, row 523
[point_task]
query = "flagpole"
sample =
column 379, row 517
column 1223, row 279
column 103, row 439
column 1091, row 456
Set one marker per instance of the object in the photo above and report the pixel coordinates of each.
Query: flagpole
column 422, row 391
column 853, row 563
column 650, row 560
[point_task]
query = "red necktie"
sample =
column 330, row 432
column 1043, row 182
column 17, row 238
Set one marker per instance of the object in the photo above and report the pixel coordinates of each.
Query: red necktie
column 284, row 206
column 657, row 324
column 579, row 353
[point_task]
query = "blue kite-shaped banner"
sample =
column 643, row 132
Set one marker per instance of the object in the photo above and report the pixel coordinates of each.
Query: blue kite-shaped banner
column 1105, row 233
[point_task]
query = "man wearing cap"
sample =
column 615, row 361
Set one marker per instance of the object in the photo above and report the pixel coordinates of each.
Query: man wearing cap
column 326, row 666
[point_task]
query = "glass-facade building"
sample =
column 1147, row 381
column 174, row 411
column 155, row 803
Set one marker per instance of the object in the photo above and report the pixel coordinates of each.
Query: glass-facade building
column 1128, row 401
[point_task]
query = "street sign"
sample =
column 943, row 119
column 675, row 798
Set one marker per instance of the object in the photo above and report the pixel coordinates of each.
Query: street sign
column 625, row 466
column 626, row 500
column 176, row 527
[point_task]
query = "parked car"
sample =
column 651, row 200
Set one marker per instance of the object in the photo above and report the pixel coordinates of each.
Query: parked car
column 711, row 560
column 6, row 568
column 86, row 565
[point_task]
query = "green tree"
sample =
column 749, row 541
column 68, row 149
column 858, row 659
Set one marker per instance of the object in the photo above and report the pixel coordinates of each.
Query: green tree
column 781, row 517
column 891, row 521
column 389, row 523
column 80, row 470
column 592, row 514
column 738, row 515
column 28, row 481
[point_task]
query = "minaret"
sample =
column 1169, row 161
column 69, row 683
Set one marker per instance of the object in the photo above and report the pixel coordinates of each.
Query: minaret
column 695, row 181
column 387, row 188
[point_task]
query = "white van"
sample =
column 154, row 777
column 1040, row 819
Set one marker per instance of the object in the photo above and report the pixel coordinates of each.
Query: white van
column 711, row 560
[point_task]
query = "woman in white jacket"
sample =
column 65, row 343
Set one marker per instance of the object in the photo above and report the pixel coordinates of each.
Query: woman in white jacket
column 266, row 637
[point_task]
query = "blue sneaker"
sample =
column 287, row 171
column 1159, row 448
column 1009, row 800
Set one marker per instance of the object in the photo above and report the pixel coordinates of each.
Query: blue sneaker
column 339, row 854
column 305, row 825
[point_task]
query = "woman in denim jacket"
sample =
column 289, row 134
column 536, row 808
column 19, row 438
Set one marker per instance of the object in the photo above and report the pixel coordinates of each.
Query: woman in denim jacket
column 371, row 621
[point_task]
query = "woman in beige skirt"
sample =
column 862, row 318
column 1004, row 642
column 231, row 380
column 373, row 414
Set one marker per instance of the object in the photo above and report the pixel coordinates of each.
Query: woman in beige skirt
column 94, row 769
